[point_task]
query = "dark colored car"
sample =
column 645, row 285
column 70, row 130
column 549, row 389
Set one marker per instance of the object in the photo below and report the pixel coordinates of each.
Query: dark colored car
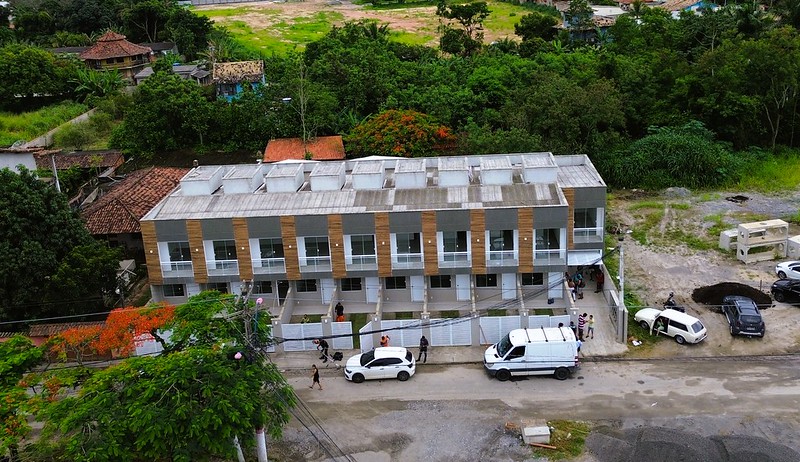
column 743, row 316
column 786, row 290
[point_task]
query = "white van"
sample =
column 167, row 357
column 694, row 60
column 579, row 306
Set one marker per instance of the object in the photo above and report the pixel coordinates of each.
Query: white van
column 542, row 351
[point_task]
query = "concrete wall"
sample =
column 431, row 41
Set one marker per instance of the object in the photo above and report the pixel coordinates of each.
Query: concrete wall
column 47, row 139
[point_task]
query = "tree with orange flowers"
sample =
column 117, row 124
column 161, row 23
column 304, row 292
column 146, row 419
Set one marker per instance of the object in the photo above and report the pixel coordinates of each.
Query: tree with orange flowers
column 399, row 133
column 128, row 327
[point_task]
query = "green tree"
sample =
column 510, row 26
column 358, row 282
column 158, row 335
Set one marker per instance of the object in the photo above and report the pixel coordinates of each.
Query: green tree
column 43, row 239
column 189, row 31
column 145, row 20
column 399, row 133
column 469, row 38
column 90, row 83
column 17, row 356
column 536, row 25
column 75, row 136
column 26, row 71
column 578, row 17
column 187, row 404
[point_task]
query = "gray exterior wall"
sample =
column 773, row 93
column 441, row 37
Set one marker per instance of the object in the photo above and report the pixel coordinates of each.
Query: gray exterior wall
column 264, row 227
column 313, row 225
column 171, row 231
column 362, row 223
column 405, row 222
column 217, row 229
column 452, row 220
column 550, row 217
column 501, row 219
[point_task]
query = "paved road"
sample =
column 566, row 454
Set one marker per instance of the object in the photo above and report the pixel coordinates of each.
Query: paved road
column 759, row 397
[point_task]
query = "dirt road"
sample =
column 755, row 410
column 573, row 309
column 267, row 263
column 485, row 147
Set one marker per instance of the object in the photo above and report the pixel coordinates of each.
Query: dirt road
column 458, row 413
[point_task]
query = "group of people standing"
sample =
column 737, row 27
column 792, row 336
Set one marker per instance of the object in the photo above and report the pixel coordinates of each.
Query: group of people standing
column 576, row 282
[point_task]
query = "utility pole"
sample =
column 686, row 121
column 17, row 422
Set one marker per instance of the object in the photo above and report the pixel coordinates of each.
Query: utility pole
column 251, row 339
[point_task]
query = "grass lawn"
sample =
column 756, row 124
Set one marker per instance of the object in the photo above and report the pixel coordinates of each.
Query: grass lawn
column 283, row 27
column 28, row 125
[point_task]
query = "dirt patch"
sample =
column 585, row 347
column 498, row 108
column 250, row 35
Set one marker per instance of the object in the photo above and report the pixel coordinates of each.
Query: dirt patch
column 713, row 295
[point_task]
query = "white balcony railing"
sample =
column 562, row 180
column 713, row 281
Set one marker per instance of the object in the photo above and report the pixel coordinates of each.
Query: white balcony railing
column 502, row 258
column 585, row 235
column 222, row 267
column 362, row 262
column 549, row 257
column 315, row 263
column 269, row 265
column 454, row 259
column 407, row 261
column 177, row 269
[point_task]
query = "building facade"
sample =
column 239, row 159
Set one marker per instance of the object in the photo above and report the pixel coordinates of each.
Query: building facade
column 380, row 234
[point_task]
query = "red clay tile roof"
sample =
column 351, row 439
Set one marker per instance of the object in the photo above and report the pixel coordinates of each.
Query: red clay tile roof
column 113, row 45
column 46, row 330
column 321, row 148
column 83, row 159
column 119, row 210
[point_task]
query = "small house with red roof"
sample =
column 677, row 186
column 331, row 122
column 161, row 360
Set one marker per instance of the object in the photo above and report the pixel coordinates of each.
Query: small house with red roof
column 113, row 52
column 320, row 148
column 114, row 216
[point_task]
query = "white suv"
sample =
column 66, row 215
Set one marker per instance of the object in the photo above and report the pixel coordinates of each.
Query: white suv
column 381, row 363
column 681, row 326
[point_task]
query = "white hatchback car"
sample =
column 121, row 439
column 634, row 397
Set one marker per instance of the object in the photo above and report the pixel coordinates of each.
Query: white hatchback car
column 683, row 327
column 788, row 270
column 381, row 363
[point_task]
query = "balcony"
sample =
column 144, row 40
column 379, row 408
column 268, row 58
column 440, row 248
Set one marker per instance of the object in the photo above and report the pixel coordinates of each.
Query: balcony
column 407, row 261
column 223, row 267
column 315, row 263
column 587, row 235
column 454, row 260
column 177, row 269
column 550, row 257
column 269, row 265
column 502, row 258
column 362, row 262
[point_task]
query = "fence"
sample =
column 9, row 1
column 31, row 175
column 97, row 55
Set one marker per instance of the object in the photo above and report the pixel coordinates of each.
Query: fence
column 342, row 328
column 407, row 334
column 493, row 328
column 366, row 338
column 309, row 330
column 451, row 332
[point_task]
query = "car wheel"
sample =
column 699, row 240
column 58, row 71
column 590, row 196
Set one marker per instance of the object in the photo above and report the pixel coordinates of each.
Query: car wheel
column 732, row 332
column 402, row 376
column 779, row 297
column 503, row 375
column 781, row 275
column 561, row 373
column 358, row 378
column 680, row 339
column 644, row 325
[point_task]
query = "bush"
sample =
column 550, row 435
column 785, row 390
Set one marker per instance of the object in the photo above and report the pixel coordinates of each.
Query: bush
column 74, row 136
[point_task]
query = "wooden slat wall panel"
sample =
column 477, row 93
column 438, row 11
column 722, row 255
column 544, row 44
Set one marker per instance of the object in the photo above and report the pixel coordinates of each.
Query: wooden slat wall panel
column 336, row 241
column 242, row 237
column 382, row 241
column 195, row 231
column 526, row 239
column 569, row 194
column 477, row 224
column 289, row 236
column 152, row 259
column 429, row 243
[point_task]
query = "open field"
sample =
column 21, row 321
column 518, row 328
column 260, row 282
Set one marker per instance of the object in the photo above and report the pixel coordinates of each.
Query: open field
column 28, row 125
column 280, row 27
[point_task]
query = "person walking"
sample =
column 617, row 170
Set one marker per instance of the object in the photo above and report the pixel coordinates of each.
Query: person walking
column 581, row 325
column 315, row 377
column 423, row 349
column 600, row 277
column 577, row 279
column 322, row 346
column 590, row 327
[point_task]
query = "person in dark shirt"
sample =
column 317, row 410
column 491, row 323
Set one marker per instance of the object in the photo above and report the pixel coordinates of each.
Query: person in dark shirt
column 322, row 345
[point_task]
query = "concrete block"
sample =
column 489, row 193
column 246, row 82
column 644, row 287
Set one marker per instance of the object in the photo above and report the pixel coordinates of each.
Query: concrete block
column 536, row 435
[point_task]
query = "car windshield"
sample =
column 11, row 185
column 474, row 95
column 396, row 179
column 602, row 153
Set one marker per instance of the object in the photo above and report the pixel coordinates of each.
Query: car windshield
column 503, row 346
column 697, row 327
column 751, row 319
column 367, row 357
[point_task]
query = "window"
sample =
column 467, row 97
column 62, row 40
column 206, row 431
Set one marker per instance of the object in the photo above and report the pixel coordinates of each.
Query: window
column 110, row 61
column 485, row 280
column 179, row 251
column 441, row 282
column 221, row 287
column 395, row 282
column 262, row 287
column 547, row 238
column 408, row 243
column 225, row 250
column 351, row 284
column 120, row 60
column 454, row 241
column 585, row 218
column 679, row 326
column 501, row 240
column 174, row 290
column 306, row 285
column 532, row 279
column 317, row 247
column 271, row 248
column 363, row 245
column 517, row 352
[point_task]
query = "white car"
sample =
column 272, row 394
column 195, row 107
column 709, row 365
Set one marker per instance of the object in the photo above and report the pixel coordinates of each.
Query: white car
column 681, row 326
column 788, row 270
column 381, row 363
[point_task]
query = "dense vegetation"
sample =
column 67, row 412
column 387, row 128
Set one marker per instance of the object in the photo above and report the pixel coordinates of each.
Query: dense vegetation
column 683, row 101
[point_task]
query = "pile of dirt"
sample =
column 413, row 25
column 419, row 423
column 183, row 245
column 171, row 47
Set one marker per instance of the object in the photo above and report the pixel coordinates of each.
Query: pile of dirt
column 713, row 295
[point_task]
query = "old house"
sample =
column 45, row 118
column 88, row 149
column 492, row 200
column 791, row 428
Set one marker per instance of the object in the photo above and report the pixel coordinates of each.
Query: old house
column 113, row 52
column 232, row 78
